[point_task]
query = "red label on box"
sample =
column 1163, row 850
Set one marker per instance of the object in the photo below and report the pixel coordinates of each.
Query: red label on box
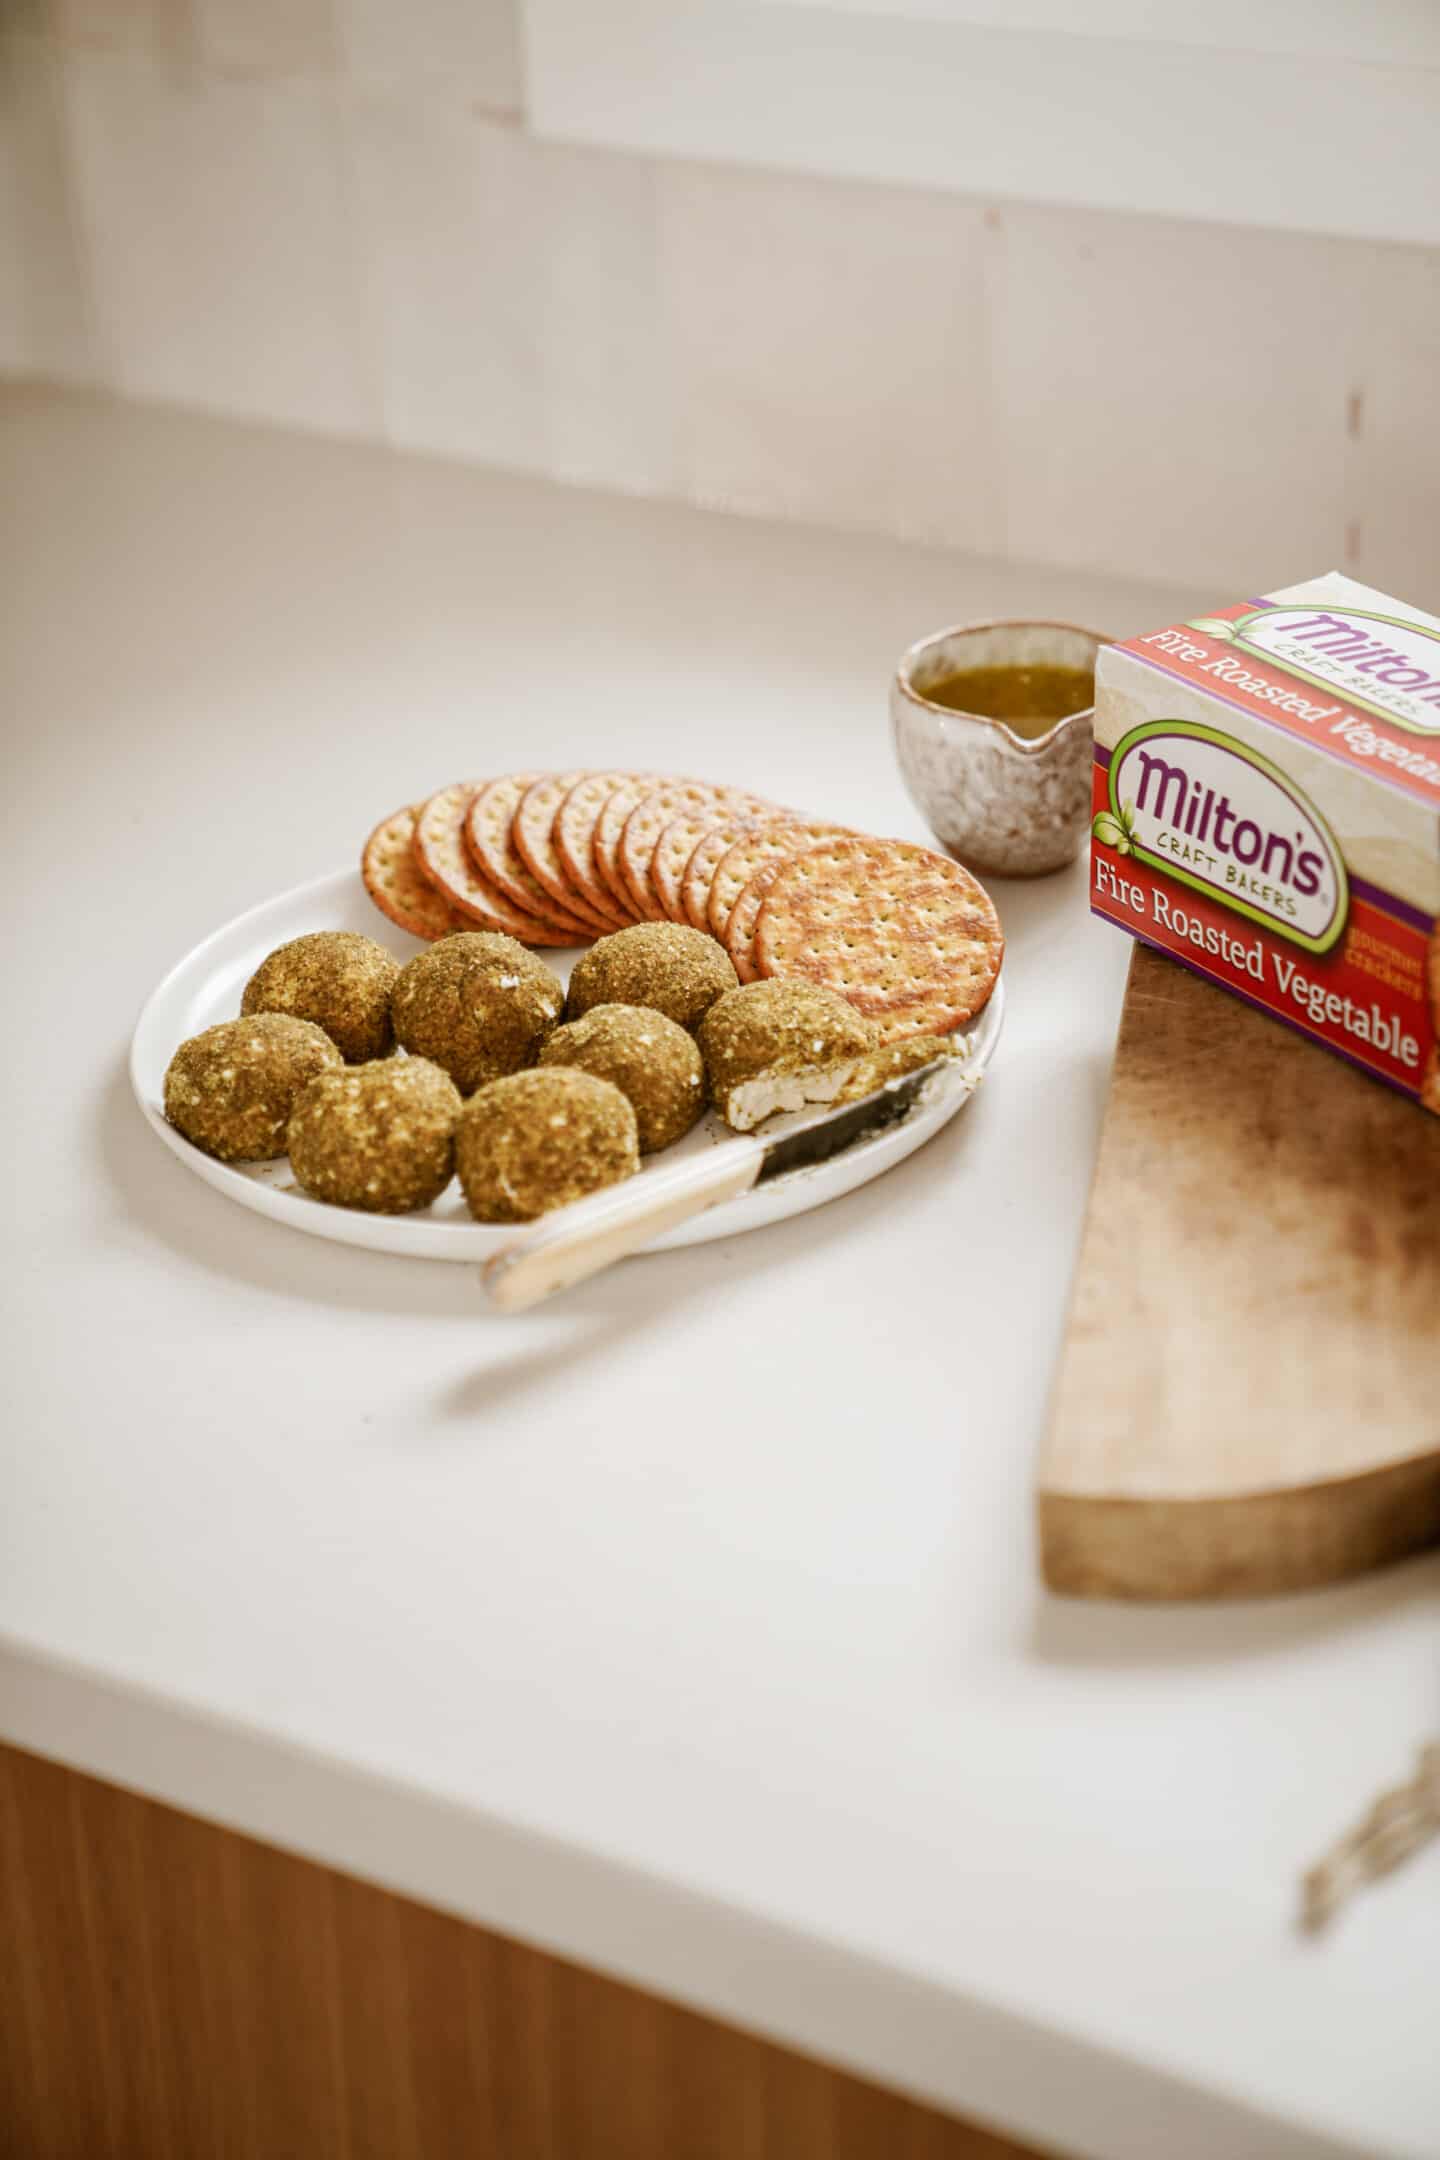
column 1365, row 996
column 1267, row 809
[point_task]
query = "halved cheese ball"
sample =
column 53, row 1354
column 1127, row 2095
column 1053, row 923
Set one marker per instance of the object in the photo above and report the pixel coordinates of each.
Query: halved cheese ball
column 772, row 1046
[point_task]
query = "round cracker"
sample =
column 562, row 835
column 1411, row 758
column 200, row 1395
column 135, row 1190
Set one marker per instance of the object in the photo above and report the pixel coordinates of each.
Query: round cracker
column 393, row 881
column 908, row 936
column 533, row 832
column 739, row 939
column 675, row 847
column 441, row 856
column 574, row 834
column 717, row 840
column 489, row 836
column 647, row 821
column 763, row 844
column 610, row 829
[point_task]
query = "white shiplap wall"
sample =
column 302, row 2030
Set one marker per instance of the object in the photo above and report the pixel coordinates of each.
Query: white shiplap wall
column 329, row 214
column 1318, row 116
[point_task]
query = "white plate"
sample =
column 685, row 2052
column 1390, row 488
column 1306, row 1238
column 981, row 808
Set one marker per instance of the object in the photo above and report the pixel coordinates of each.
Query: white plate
column 206, row 986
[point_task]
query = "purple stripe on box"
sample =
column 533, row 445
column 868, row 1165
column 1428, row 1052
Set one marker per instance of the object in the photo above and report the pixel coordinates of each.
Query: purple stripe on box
column 1400, row 909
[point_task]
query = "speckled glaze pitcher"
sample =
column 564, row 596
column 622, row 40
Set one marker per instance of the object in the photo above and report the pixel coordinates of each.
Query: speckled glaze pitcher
column 1014, row 805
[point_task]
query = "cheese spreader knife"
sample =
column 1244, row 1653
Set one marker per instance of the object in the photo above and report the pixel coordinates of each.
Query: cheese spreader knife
column 575, row 1242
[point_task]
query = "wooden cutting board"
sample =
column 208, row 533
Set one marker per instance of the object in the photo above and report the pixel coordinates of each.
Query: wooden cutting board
column 1249, row 1393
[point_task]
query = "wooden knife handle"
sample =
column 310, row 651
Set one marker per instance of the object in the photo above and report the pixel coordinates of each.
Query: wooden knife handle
column 578, row 1241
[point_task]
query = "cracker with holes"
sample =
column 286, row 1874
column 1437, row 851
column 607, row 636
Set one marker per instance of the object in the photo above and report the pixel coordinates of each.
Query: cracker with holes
column 764, row 844
column 908, row 936
column 647, row 822
column 533, row 831
column 610, row 831
column 395, row 884
column 491, row 842
column 574, row 831
column 716, row 842
column 675, row 849
column 739, row 939
column 671, row 860
column 442, row 858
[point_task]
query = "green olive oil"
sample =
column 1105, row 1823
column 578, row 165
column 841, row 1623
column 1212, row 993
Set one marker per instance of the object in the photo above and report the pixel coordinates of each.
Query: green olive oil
column 1028, row 699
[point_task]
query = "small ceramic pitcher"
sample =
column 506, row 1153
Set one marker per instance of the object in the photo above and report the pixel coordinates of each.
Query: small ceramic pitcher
column 1012, row 804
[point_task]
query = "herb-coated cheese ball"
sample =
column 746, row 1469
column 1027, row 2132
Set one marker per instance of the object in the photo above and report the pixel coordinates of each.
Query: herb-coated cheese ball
column 538, row 1140
column 652, row 1061
column 896, row 1060
column 336, row 978
column 678, row 971
column 778, row 1045
column 379, row 1136
column 478, row 1004
column 231, row 1089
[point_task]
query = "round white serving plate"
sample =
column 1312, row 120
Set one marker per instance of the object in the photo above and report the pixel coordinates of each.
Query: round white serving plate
column 205, row 987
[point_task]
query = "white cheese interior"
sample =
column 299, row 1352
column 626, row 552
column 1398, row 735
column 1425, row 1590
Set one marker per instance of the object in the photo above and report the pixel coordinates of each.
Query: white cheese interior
column 750, row 1102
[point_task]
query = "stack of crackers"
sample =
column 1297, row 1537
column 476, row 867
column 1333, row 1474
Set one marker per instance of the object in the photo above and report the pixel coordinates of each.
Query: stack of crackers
column 559, row 859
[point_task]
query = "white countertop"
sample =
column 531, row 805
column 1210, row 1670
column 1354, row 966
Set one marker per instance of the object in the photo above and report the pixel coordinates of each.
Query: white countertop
column 689, row 1627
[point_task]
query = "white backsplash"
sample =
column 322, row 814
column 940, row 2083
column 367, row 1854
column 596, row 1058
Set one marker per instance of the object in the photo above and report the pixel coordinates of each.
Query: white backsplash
column 328, row 214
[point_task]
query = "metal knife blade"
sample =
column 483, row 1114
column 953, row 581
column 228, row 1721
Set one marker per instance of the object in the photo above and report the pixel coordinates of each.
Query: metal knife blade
column 813, row 1136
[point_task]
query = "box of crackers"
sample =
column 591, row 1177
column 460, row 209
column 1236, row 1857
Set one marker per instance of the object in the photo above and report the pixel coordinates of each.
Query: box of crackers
column 1267, row 811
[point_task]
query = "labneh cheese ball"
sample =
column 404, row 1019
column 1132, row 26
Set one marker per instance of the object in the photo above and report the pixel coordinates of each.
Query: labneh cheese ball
column 896, row 1060
column 678, row 971
column 652, row 1061
column 232, row 1088
column 336, row 978
column 538, row 1140
column 779, row 1045
column 478, row 1004
column 379, row 1136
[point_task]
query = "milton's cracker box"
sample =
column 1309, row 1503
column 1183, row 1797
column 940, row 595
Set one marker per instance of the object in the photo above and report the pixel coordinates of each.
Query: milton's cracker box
column 1267, row 809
